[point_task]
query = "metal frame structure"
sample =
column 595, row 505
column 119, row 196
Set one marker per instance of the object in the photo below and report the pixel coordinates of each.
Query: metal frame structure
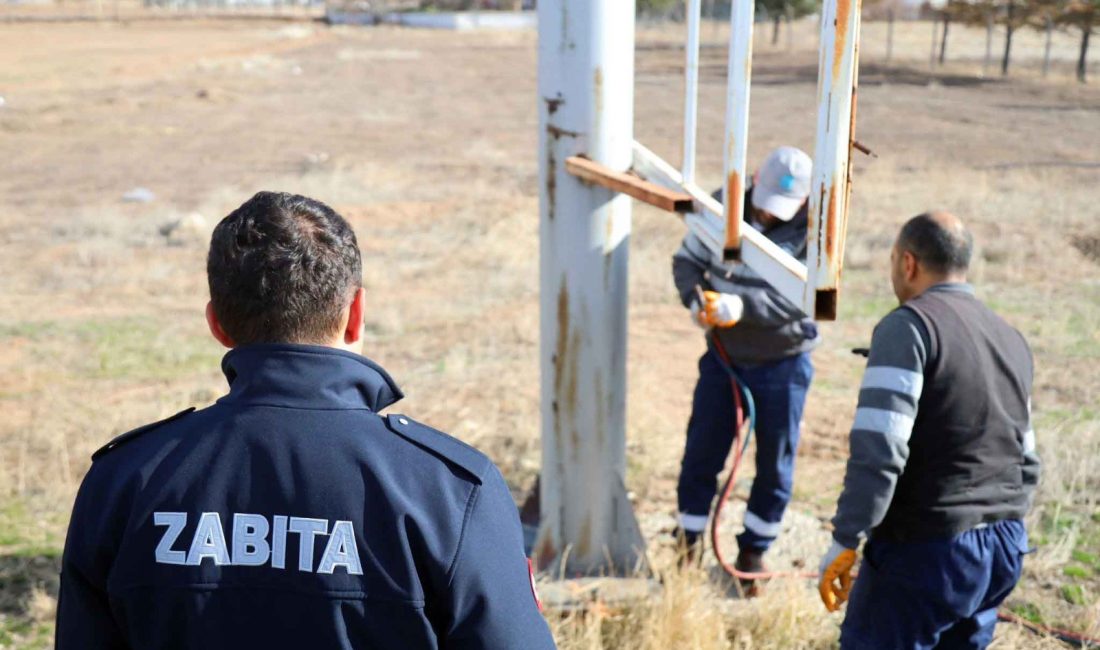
column 589, row 167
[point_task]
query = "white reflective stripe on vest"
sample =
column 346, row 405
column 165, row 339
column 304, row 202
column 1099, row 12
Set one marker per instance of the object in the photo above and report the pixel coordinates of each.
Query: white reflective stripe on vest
column 1029, row 441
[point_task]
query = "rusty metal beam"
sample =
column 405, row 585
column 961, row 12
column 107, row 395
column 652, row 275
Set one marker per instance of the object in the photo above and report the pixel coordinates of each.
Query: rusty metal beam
column 738, row 84
column 643, row 190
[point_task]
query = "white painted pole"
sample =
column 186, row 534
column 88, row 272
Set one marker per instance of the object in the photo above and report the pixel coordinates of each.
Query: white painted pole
column 988, row 44
column 935, row 41
column 586, row 106
column 691, row 88
column 838, row 68
column 737, row 123
column 890, row 37
column 1046, row 46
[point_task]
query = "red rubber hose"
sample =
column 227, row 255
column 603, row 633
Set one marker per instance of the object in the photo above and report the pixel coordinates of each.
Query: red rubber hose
column 727, row 488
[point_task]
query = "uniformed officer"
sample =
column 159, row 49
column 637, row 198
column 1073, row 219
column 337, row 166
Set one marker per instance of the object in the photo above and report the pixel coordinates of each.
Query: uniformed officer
column 291, row 513
column 767, row 340
column 943, row 465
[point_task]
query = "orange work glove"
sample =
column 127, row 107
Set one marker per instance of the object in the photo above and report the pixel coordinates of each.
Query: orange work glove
column 717, row 309
column 836, row 576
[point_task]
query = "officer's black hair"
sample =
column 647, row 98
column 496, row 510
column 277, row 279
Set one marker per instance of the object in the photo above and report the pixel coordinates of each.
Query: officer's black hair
column 282, row 268
column 942, row 246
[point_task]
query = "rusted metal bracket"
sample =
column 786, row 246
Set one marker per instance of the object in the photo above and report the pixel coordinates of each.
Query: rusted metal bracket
column 864, row 149
column 629, row 184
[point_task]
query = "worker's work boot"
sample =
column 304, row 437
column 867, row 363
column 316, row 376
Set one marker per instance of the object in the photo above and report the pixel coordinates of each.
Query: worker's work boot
column 688, row 547
column 750, row 562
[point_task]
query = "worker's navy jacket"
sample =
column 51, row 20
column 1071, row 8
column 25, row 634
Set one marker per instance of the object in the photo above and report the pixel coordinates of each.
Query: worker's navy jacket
column 291, row 515
column 771, row 327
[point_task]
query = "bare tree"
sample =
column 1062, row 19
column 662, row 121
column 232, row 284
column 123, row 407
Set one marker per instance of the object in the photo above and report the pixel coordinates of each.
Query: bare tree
column 1049, row 28
column 890, row 35
column 943, row 36
column 1084, row 15
column 780, row 10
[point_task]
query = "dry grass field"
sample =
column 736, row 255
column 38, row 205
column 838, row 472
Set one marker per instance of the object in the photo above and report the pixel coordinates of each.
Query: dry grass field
column 426, row 142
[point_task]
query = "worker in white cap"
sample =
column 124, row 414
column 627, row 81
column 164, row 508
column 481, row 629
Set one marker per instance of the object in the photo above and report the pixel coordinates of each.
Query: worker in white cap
column 763, row 338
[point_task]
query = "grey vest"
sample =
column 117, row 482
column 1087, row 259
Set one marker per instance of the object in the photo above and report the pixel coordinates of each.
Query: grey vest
column 966, row 460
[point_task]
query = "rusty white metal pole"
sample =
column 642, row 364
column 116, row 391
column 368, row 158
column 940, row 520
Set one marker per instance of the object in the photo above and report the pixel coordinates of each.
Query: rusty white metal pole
column 586, row 106
column 989, row 44
column 691, row 88
column 737, row 123
column 837, row 76
column 935, row 39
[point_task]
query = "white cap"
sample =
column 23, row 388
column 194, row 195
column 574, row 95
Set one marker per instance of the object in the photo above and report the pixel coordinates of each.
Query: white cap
column 782, row 183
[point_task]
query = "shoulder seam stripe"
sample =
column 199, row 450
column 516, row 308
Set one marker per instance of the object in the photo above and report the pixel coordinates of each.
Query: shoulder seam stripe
column 122, row 439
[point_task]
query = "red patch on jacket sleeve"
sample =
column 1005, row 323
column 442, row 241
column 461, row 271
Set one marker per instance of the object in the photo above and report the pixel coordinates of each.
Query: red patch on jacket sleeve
column 534, row 589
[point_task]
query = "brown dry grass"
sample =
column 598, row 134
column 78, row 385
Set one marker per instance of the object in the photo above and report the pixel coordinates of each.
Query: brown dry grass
column 426, row 142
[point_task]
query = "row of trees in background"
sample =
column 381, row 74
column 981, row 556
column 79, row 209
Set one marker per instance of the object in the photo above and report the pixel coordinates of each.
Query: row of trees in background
column 1081, row 16
column 1045, row 15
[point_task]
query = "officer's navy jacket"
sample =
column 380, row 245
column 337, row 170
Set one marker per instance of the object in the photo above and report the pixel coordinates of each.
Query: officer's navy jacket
column 290, row 514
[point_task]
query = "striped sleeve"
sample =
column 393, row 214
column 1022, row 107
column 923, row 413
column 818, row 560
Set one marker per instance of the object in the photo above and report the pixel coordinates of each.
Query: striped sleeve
column 879, row 442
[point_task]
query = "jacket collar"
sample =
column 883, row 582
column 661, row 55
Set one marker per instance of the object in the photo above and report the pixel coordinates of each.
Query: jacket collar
column 959, row 287
column 307, row 377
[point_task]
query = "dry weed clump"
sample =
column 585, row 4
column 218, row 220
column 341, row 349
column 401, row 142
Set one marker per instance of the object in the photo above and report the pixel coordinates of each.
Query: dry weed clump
column 696, row 612
column 693, row 612
column 1061, row 585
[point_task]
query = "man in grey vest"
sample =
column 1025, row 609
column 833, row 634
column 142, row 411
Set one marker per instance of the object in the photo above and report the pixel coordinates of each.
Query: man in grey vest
column 943, row 465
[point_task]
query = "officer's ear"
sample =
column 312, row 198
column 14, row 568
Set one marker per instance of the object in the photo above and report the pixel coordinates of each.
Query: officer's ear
column 910, row 266
column 216, row 327
column 353, row 332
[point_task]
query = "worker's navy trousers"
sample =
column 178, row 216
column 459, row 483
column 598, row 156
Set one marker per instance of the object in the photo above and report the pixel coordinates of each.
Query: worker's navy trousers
column 779, row 390
column 939, row 594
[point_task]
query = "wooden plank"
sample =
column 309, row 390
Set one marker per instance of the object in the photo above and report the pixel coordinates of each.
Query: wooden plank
column 643, row 190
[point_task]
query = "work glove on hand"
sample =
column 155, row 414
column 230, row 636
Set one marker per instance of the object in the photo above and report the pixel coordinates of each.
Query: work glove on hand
column 717, row 310
column 836, row 576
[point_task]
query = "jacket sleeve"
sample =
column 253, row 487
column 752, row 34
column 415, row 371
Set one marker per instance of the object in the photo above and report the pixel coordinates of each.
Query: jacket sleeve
column 492, row 596
column 879, row 442
column 764, row 306
column 689, row 268
column 84, row 618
